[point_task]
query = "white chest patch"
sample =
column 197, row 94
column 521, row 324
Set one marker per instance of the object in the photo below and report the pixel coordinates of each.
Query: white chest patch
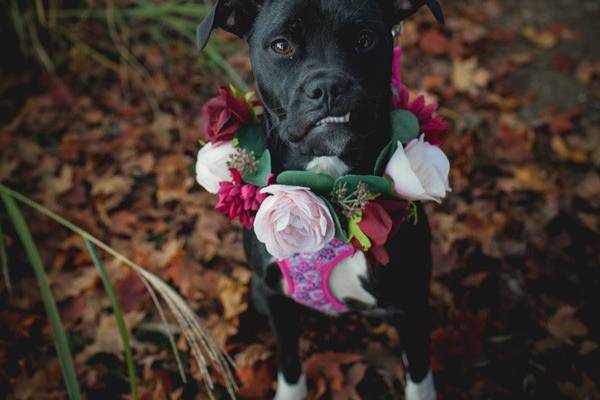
column 345, row 280
column 331, row 166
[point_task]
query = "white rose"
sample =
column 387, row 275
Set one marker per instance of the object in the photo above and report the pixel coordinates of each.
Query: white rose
column 419, row 171
column 211, row 165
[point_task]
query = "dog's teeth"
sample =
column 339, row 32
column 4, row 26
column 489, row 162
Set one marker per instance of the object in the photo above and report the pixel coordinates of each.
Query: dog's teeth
column 334, row 120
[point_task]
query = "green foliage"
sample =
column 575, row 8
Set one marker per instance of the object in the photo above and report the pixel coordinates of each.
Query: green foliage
column 318, row 183
column 405, row 126
column 376, row 184
column 110, row 292
column 340, row 233
column 195, row 334
column 4, row 260
column 250, row 137
column 263, row 170
column 60, row 339
column 44, row 26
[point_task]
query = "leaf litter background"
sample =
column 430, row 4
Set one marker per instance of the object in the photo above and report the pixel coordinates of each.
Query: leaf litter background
column 516, row 274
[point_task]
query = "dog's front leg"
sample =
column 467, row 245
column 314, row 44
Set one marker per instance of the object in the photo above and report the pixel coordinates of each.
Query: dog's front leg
column 283, row 317
column 415, row 333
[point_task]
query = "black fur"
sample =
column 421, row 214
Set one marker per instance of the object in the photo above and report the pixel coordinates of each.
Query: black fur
column 328, row 75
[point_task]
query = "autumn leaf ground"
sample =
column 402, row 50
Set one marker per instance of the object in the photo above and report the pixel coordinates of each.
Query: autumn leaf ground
column 516, row 275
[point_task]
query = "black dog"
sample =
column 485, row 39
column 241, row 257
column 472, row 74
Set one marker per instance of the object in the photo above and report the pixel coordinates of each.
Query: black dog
column 313, row 60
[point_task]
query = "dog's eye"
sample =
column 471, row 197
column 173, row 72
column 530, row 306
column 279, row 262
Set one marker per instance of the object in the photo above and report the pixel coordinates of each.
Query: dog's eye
column 282, row 46
column 365, row 40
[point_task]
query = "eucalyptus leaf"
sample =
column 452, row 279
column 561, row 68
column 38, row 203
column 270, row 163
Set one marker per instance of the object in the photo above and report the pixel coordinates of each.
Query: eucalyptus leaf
column 263, row 170
column 318, row 183
column 340, row 233
column 249, row 137
column 376, row 184
column 384, row 157
column 405, row 126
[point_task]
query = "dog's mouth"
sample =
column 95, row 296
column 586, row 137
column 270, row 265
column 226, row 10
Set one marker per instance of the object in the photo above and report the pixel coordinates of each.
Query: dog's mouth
column 344, row 119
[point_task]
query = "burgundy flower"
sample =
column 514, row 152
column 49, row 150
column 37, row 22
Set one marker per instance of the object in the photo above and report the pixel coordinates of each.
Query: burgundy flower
column 223, row 115
column 240, row 200
column 431, row 125
column 380, row 220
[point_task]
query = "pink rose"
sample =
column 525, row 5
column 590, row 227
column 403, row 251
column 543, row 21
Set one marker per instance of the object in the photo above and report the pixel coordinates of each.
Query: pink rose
column 293, row 220
column 223, row 115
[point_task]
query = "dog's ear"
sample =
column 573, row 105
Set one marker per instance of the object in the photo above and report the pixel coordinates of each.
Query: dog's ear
column 398, row 10
column 235, row 16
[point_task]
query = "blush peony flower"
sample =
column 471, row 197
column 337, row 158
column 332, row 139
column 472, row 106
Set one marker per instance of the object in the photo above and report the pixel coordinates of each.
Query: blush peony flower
column 419, row 171
column 223, row 115
column 293, row 220
column 240, row 200
column 431, row 125
column 211, row 165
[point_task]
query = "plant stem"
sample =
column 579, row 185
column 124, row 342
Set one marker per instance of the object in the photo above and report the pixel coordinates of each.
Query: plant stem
column 118, row 316
column 4, row 261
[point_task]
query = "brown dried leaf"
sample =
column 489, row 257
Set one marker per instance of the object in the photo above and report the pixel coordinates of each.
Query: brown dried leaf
column 563, row 324
column 467, row 76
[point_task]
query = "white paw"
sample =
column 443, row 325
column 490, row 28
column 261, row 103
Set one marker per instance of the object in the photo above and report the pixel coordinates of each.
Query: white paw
column 287, row 391
column 424, row 390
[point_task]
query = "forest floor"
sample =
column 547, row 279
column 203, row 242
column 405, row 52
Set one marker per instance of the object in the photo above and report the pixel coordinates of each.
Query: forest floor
column 516, row 263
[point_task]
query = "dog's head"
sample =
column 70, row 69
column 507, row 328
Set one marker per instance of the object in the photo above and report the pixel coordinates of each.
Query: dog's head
column 322, row 70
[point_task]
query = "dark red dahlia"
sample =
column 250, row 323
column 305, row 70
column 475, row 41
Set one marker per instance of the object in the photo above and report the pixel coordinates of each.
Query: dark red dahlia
column 240, row 200
column 431, row 125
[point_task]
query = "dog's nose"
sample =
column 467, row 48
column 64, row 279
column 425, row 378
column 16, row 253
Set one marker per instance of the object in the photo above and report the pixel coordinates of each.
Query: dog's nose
column 326, row 90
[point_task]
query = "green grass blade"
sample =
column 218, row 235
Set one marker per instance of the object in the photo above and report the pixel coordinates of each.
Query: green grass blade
column 118, row 316
column 60, row 338
column 6, row 191
column 4, row 261
column 187, row 29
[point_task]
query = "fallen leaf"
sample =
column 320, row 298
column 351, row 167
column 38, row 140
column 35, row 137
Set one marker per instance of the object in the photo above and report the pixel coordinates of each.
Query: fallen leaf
column 107, row 337
column 60, row 184
column 325, row 369
column 540, row 38
column 563, row 325
column 434, row 42
column 467, row 76
column 232, row 295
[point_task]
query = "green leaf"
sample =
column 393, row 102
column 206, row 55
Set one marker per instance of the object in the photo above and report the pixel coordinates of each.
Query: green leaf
column 354, row 231
column 384, row 157
column 60, row 339
column 249, row 137
column 340, row 234
column 318, row 183
column 118, row 316
column 376, row 184
column 405, row 126
column 263, row 170
column 4, row 261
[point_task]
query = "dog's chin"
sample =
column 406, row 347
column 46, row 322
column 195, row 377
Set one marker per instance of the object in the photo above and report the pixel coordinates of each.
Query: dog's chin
column 329, row 140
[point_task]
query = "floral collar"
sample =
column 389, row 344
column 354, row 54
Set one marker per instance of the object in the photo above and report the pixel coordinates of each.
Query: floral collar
column 306, row 210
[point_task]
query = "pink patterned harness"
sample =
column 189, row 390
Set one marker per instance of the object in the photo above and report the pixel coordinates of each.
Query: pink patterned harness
column 307, row 276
